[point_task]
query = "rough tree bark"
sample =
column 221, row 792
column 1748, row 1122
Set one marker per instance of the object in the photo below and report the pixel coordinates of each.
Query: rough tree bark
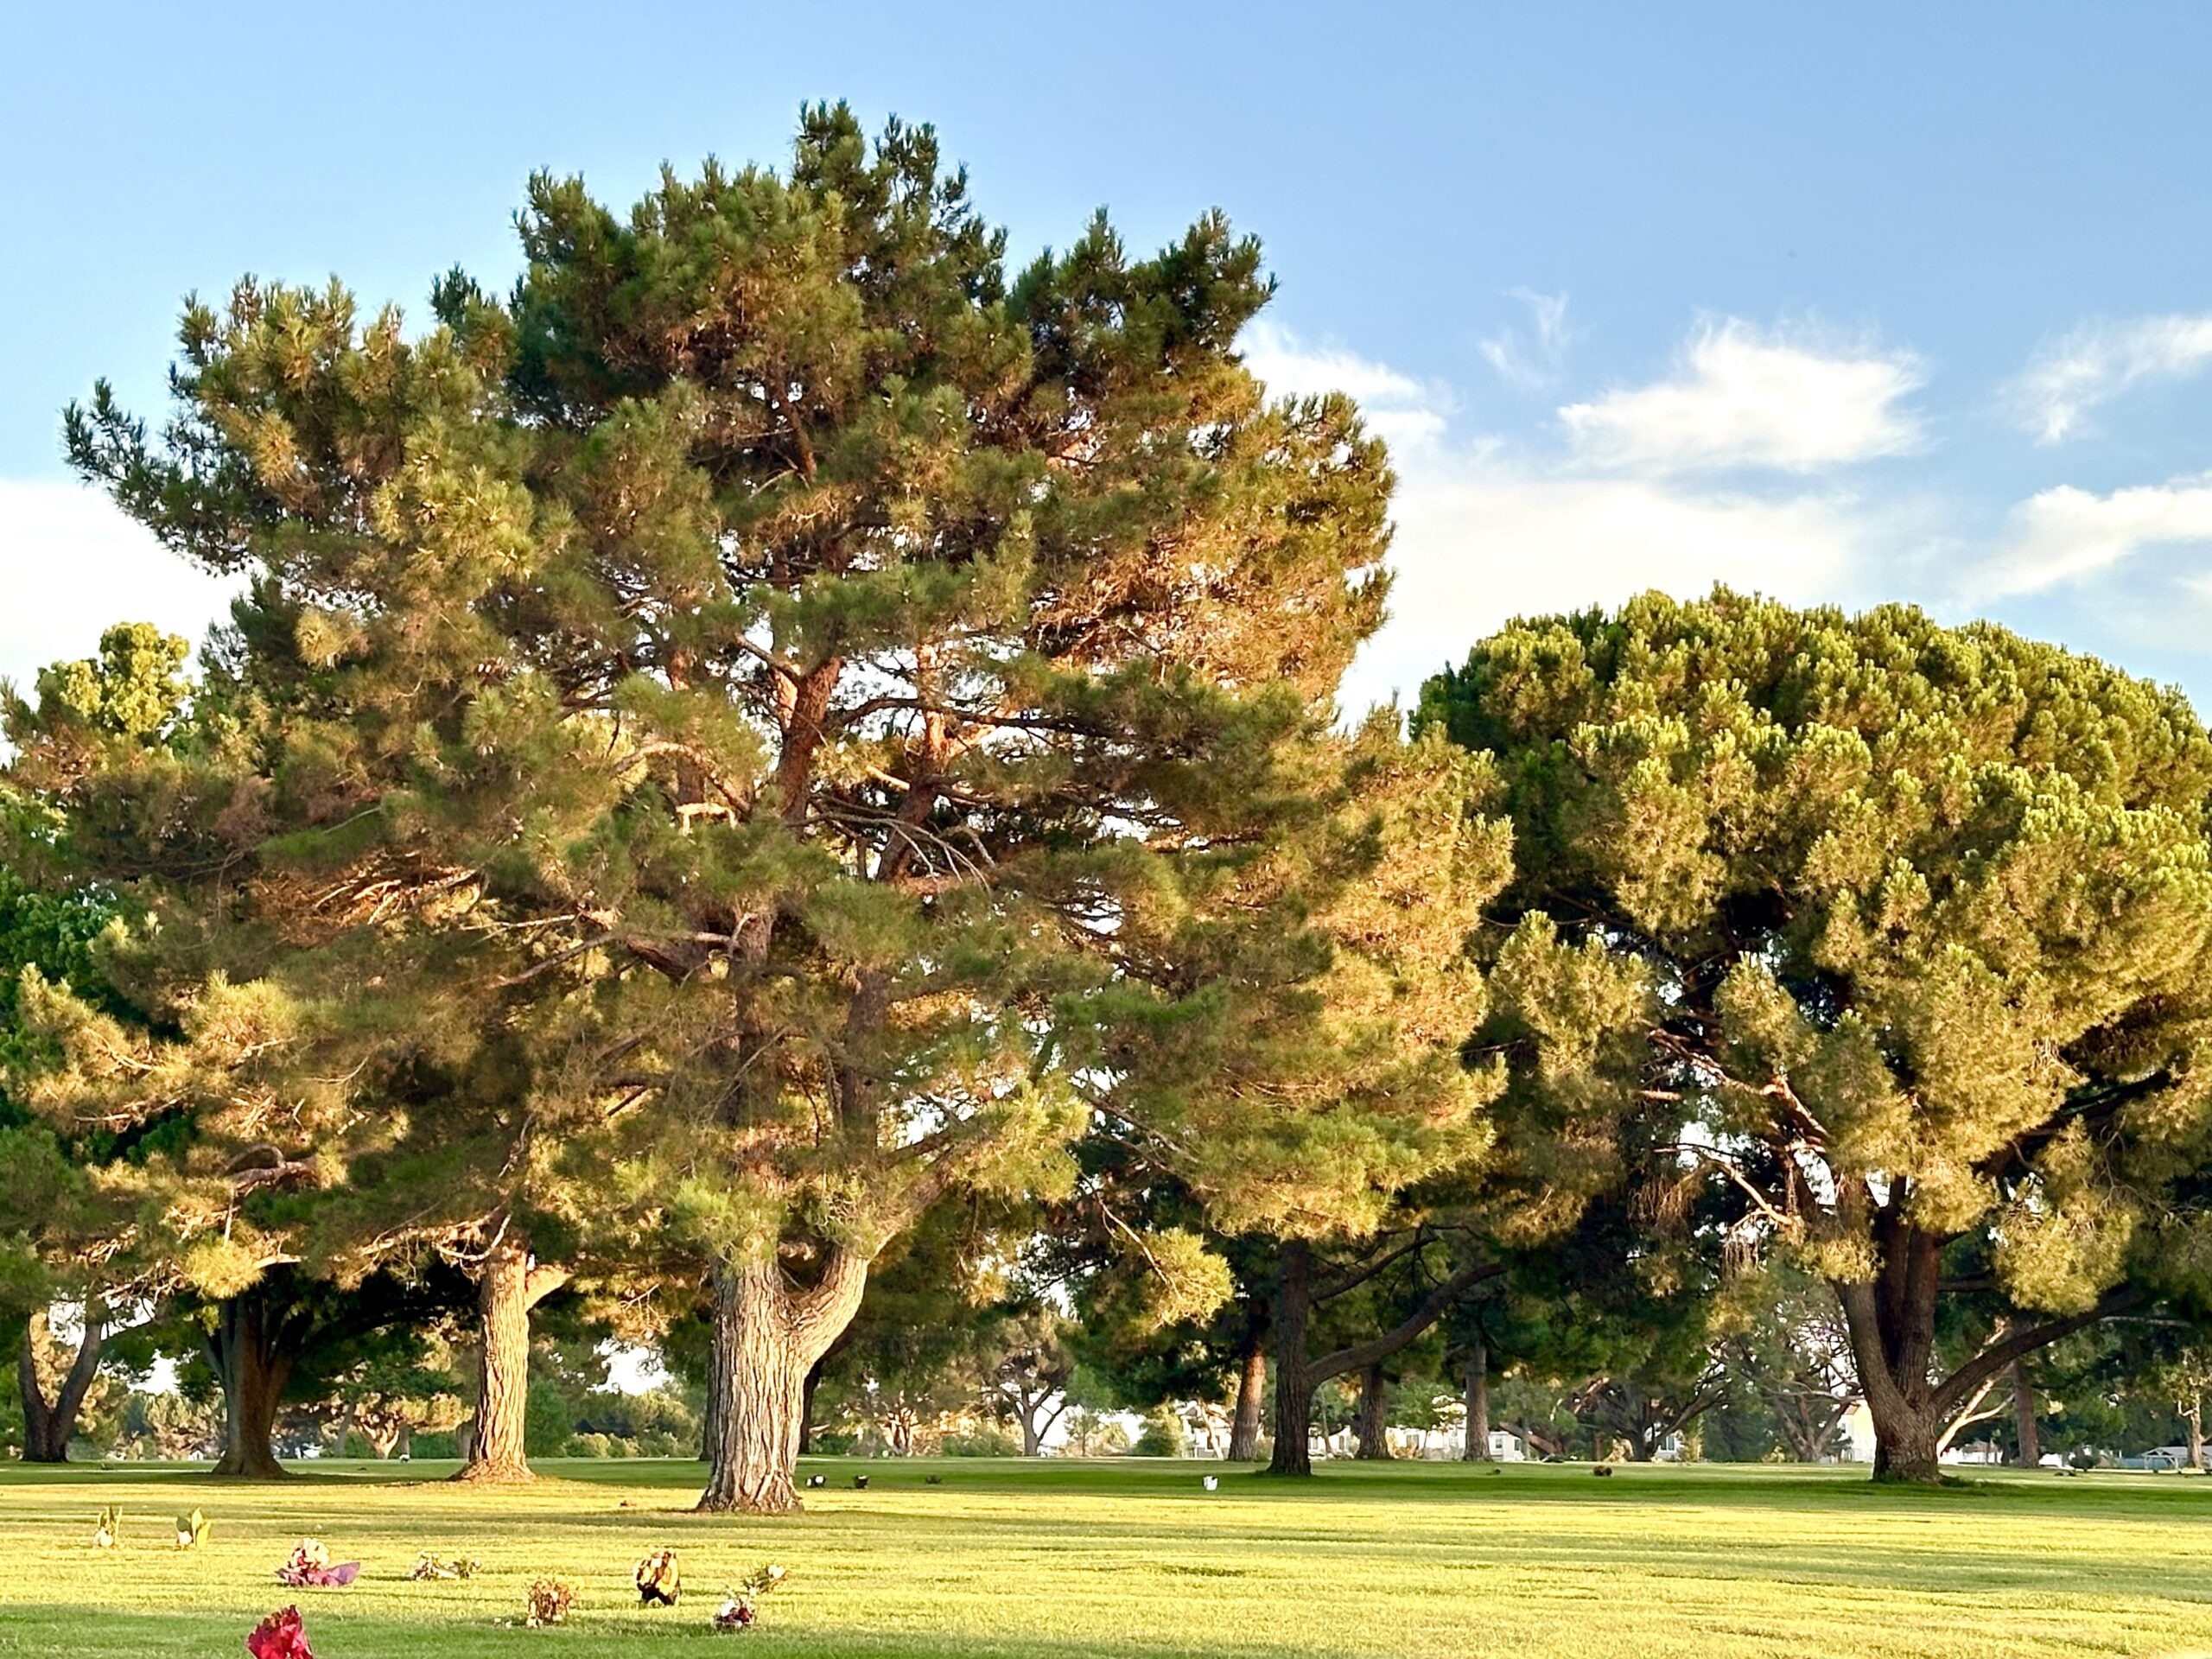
column 1251, row 1389
column 508, row 1285
column 1477, row 1386
column 1298, row 1374
column 2027, row 1449
column 252, row 1357
column 1372, row 1426
column 49, row 1425
column 767, row 1337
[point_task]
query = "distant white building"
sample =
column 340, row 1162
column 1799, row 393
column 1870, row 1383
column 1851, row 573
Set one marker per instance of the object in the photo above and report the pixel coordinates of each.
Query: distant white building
column 1506, row 1447
column 1859, row 1433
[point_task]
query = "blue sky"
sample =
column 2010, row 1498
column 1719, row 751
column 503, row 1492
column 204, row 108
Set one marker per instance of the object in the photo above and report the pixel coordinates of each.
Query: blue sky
column 1844, row 304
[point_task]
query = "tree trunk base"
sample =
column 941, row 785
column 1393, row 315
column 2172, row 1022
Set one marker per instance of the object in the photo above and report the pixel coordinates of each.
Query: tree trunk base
column 767, row 1504
column 489, row 1473
column 1906, row 1455
column 237, row 1466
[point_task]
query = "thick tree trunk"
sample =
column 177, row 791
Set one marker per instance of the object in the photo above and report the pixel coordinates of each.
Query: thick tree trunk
column 1297, row 1375
column 1906, row 1445
column 48, row 1427
column 767, row 1337
column 1293, row 1388
column 1032, row 1432
column 1251, row 1389
column 1373, row 1427
column 251, row 1360
column 508, row 1285
column 2027, row 1449
column 2194, row 1416
column 1478, row 1386
column 1891, row 1319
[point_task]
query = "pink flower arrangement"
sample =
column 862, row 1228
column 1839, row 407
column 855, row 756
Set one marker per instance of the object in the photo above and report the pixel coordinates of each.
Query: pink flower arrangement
column 280, row 1635
column 310, row 1567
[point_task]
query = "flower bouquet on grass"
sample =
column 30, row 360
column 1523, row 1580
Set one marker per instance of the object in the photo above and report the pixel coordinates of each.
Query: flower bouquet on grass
column 109, row 1533
column 550, row 1602
column 310, row 1568
column 437, row 1567
column 659, row 1583
column 740, row 1607
column 191, row 1530
column 280, row 1635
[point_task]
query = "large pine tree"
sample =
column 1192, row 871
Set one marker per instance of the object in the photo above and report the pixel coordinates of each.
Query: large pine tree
column 775, row 655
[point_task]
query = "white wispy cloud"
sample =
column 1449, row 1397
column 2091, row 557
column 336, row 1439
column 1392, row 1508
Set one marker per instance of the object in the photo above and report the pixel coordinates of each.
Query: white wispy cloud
column 2098, row 361
column 1743, row 397
column 71, row 564
column 1536, row 364
column 1489, row 528
column 1486, row 534
column 2058, row 536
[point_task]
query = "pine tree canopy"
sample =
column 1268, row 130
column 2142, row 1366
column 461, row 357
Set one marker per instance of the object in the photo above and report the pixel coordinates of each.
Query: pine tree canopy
column 1902, row 929
column 720, row 718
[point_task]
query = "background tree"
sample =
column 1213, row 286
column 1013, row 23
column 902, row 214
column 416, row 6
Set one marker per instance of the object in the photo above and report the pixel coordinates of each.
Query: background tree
column 60, row 1238
column 1791, row 1354
column 1910, row 922
column 1029, row 1371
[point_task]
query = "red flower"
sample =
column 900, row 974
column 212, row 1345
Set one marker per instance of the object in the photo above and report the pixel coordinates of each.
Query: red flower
column 280, row 1635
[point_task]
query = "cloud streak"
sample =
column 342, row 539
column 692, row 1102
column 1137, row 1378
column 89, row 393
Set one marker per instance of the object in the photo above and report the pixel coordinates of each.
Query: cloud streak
column 2097, row 362
column 2060, row 535
column 1745, row 398
column 1537, row 364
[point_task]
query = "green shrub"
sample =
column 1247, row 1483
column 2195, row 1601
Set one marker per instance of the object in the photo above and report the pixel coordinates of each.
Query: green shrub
column 547, row 1423
column 588, row 1445
column 444, row 1443
column 983, row 1443
column 1163, row 1436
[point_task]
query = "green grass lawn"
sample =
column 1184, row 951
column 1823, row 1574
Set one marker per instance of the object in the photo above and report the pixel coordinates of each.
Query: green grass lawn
column 1075, row 1559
